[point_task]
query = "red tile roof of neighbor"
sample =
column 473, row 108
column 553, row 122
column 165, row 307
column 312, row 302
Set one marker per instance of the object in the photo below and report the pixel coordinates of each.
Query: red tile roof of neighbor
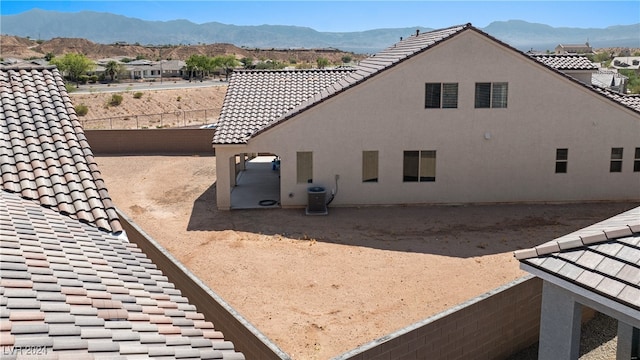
column 603, row 258
column 237, row 126
column 71, row 285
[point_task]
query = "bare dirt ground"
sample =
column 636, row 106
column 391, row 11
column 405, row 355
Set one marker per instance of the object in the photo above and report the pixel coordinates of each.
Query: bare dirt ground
column 318, row 286
column 150, row 102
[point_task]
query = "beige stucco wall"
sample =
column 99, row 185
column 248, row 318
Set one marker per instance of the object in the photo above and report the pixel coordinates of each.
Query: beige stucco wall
column 483, row 155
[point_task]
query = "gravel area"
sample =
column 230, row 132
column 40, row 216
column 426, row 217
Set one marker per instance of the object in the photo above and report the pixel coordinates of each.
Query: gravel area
column 598, row 341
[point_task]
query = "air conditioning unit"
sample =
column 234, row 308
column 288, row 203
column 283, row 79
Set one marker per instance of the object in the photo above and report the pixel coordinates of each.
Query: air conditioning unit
column 317, row 201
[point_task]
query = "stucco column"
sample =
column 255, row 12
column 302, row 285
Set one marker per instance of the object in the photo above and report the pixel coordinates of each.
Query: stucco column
column 560, row 323
column 225, row 167
column 243, row 162
column 626, row 335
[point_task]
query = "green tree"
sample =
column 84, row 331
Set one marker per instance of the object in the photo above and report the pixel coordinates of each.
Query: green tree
column 49, row 56
column 228, row 63
column 73, row 65
column 322, row 62
column 633, row 84
column 196, row 65
column 111, row 69
column 247, row 62
column 346, row 59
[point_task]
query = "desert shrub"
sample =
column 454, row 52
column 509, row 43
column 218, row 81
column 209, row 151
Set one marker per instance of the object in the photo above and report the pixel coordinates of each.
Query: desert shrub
column 137, row 95
column 82, row 79
column 116, row 99
column 81, row 109
column 93, row 79
column 179, row 98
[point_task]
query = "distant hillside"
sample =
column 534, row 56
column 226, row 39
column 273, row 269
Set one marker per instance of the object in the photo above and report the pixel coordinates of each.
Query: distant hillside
column 23, row 48
column 106, row 28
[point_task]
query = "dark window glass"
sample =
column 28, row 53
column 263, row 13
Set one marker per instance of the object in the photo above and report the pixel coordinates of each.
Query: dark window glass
column 616, row 160
column 450, row 96
column 483, row 95
column 562, row 155
column 432, row 96
column 499, row 95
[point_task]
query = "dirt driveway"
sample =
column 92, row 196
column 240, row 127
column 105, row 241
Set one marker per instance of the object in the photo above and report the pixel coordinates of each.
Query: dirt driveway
column 318, row 286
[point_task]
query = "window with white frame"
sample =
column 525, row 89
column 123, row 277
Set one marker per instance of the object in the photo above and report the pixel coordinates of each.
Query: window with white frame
column 562, row 157
column 441, row 96
column 419, row 166
column 491, row 95
column 616, row 160
column 304, row 167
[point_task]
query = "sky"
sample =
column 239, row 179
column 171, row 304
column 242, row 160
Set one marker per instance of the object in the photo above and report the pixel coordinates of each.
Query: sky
column 358, row 15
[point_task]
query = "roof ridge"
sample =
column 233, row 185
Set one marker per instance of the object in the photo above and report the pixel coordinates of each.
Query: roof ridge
column 578, row 241
column 370, row 67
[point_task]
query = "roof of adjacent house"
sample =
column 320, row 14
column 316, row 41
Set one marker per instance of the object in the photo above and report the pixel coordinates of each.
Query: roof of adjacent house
column 603, row 258
column 71, row 285
column 566, row 61
column 44, row 154
column 75, row 291
column 256, row 98
column 259, row 100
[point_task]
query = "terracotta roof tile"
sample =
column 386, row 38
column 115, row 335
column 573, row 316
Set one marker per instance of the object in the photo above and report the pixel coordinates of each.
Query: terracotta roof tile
column 45, row 156
column 76, row 312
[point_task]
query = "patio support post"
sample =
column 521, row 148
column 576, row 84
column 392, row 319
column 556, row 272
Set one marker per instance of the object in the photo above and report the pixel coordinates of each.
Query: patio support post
column 560, row 324
column 625, row 341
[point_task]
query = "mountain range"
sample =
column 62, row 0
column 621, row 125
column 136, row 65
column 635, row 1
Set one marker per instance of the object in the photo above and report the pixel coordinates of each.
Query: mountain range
column 107, row 28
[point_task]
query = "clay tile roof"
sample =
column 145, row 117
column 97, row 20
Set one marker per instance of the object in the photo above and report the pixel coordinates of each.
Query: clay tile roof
column 565, row 61
column 603, row 258
column 76, row 291
column 258, row 100
column 44, row 154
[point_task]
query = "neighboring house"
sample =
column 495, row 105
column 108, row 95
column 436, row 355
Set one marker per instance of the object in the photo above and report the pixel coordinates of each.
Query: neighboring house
column 146, row 69
column 597, row 267
column 410, row 126
column 574, row 49
column 576, row 66
column 610, row 80
column 581, row 68
column 626, row 62
column 72, row 286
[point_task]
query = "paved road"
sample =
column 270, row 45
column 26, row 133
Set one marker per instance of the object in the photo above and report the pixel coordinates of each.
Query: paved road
column 137, row 86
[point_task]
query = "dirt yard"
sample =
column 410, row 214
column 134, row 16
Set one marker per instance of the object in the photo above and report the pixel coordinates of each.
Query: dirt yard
column 318, row 286
column 149, row 102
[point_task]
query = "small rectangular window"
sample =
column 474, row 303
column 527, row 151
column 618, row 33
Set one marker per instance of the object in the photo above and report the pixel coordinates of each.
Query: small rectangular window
column 419, row 166
column 499, row 95
column 483, row 95
column 432, row 96
column 304, row 167
column 616, row 160
column 491, row 95
column 636, row 160
column 369, row 166
column 562, row 156
column 441, row 95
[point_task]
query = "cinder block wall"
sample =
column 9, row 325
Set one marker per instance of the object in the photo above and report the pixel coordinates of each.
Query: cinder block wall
column 245, row 337
column 492, row 326
column 150, row 141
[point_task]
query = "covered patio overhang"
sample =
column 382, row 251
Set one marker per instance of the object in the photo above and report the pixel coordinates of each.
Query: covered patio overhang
column 246, row 180
column 560, row 319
